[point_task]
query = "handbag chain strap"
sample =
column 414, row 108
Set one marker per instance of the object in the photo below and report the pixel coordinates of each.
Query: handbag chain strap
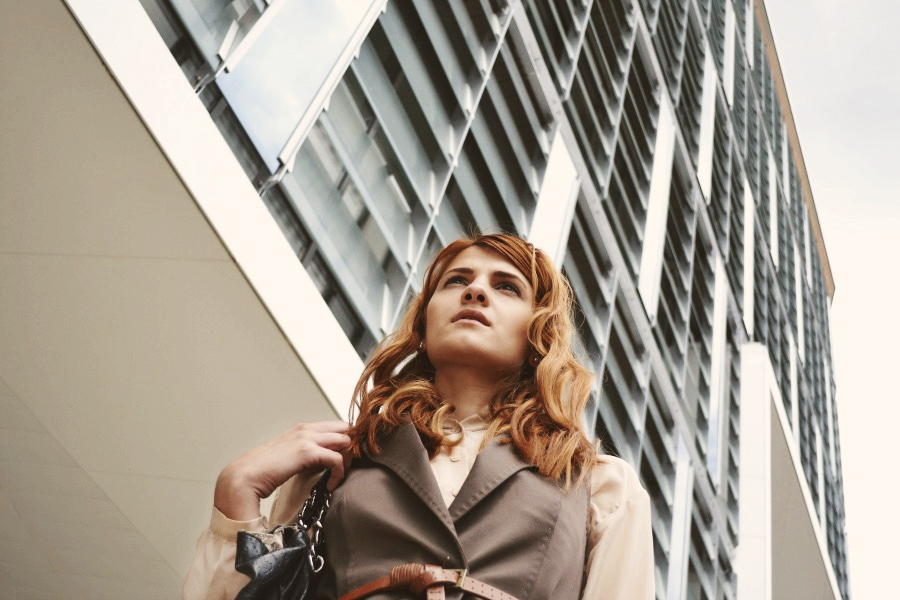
column 311, row 519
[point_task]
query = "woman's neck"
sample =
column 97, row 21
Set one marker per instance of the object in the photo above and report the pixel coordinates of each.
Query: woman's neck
column 467, row 389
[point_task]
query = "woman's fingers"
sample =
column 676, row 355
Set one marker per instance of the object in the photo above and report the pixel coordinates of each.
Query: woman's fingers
column 339, row 426
column 337, row 472
column 333, row 441
column 303, row 447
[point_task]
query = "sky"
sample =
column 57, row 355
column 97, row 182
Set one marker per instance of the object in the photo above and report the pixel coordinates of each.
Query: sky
column 839, row 60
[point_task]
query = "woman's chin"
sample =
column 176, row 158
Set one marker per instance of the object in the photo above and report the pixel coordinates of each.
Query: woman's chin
column 477, row 361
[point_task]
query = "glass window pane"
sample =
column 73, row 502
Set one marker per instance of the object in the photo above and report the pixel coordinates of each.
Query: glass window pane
column 274, row 83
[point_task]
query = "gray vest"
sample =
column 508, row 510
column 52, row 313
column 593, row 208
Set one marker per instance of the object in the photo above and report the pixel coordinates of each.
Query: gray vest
column 509, row 526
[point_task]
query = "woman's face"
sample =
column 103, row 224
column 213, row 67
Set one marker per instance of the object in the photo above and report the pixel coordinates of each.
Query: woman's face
column 479, row 313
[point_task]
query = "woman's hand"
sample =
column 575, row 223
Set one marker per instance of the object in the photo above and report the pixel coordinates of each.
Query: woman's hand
column 256, row 474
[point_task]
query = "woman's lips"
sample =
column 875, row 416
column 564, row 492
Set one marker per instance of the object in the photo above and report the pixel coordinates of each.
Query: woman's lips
column 471, row 315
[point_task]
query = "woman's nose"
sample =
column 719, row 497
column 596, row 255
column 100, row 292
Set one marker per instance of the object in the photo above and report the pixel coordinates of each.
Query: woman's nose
column 474, row 292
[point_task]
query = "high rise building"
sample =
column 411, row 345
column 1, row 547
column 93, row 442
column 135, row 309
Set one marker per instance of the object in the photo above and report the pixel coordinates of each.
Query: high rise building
column 213, row 210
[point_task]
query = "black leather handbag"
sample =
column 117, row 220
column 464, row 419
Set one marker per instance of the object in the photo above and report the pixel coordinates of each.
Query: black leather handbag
column 283, row 563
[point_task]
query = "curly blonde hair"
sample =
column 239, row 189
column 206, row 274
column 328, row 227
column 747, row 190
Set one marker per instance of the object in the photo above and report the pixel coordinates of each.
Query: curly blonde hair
column 539, row 412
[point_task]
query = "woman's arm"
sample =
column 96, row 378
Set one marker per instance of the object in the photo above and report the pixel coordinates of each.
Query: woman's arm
column 256, row 474
column 619, row 565
column 304, row 450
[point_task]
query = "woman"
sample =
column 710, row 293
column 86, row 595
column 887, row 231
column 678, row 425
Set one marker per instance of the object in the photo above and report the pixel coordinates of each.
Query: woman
column 467, row 452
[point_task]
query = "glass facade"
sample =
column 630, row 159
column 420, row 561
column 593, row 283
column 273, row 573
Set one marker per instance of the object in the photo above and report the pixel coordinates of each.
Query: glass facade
column 440, row 119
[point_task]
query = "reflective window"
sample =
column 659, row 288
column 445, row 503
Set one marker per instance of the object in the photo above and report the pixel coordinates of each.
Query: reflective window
column 274, row 84
column 219, row 26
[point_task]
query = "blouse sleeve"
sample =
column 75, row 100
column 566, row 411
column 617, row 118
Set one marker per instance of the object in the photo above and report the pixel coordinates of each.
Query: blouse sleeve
column 619, row 563
column 211, row 575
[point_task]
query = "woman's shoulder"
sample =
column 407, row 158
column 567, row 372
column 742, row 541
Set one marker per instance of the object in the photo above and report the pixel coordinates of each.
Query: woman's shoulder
column 615, row 482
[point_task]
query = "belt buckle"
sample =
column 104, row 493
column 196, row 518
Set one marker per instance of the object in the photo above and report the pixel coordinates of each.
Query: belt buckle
column 461, row 579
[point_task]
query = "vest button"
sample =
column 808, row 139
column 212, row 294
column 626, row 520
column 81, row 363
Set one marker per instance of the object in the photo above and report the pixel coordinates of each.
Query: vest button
column 454, row 458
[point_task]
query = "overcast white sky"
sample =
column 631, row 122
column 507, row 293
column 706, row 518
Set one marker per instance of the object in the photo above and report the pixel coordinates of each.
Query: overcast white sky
column 839, row 60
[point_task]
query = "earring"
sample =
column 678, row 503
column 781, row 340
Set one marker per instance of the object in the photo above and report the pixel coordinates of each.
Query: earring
column 421, row 347
column 535, row 360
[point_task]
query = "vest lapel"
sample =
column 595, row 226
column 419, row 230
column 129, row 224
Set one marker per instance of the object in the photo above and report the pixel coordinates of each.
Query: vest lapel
column 403, row 453
column 494, row 465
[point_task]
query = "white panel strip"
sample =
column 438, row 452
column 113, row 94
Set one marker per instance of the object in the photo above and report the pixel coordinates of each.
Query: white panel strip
column 718, row 375
column 556, row 203
column 829, row 411
column 785, row 165
column 806, row 249
column 798, row 291
column 749, row 33
column 754, row 555
column 707, row 124
column 820, row 480
column 679, row 552
column 657, row 210
column 728, row 75
column 795, row 391
column 749, row 256
column 773, row 208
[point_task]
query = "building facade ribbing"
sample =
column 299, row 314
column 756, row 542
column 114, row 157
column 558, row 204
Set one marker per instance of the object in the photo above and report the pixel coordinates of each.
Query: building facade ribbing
column 647, row 145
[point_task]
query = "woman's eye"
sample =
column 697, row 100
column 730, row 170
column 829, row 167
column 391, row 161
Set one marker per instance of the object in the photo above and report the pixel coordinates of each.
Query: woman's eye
column 508, row 287
column 454, row 280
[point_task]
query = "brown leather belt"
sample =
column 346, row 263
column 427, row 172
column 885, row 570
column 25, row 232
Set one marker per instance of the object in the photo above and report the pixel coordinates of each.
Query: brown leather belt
column 430, row 580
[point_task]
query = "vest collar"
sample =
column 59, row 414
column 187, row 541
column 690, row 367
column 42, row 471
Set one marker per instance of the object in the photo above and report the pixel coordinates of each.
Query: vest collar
column 495, row 464
column 403, row 453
